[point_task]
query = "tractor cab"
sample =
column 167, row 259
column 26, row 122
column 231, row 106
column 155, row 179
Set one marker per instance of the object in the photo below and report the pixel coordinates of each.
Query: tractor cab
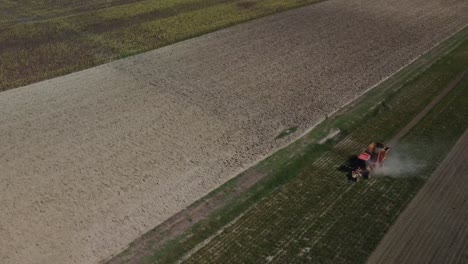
column 371, row 158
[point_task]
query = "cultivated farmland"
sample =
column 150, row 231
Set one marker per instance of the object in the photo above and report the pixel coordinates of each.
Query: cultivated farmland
column 433, row 229
column 318, row 216
column 94, row 159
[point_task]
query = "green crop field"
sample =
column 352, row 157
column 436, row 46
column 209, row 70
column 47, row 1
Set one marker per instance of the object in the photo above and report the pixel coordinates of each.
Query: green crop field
column 44, row 39
column 307, row 211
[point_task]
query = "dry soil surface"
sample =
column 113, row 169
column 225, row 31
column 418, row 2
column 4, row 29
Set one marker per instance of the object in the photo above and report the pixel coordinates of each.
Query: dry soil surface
column 91, row 160
column 434, row 227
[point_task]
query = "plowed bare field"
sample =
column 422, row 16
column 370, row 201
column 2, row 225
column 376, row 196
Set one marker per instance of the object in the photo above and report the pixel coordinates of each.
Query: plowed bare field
column 92, row 160
column 434, row 227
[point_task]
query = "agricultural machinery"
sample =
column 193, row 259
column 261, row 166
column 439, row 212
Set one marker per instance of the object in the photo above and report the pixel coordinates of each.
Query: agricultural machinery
column 370, row 159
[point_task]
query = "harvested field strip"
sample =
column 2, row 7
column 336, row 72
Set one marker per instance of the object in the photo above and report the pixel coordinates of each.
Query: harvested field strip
column 38, row 41
column 309, row 217
column 433, row 229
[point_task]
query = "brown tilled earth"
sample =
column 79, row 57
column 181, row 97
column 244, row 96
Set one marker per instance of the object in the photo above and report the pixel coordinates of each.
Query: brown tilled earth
column 91, row 160
column 433, row 228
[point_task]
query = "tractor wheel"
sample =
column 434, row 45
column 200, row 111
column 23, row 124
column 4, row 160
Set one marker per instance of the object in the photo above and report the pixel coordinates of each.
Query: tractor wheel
column 367, row 174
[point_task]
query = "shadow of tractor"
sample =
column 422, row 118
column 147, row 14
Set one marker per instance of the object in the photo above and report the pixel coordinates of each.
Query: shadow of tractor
column 352, row 164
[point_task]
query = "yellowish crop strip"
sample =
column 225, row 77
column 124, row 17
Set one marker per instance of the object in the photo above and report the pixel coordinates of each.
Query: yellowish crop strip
column 38, row 40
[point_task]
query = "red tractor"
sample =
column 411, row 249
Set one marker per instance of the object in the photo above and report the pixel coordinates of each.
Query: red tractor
column 372, row 157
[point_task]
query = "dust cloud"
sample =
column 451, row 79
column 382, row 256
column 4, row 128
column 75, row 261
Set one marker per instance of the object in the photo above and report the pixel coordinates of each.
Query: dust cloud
column 399, row 165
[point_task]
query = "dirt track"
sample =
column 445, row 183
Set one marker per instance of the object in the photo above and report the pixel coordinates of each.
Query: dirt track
column 92, row 160
column 434, row 227
column 428, row 108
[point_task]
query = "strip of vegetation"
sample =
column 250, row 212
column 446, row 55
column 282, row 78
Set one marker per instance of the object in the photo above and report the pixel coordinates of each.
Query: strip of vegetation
column 303, row 187
column 46, row 39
